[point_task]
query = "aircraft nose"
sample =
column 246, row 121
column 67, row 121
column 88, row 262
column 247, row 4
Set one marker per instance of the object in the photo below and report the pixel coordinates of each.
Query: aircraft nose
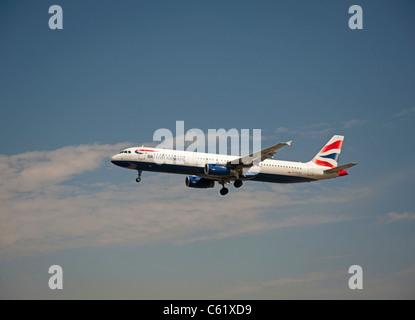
column 114, row 158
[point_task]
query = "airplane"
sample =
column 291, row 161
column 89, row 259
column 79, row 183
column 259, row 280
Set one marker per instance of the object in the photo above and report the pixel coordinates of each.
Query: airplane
column 203, row 169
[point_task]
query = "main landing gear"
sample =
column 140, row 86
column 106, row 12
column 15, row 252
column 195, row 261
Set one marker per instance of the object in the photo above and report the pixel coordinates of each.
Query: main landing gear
column 224, row 191
column 238, row 183
column 139, row 176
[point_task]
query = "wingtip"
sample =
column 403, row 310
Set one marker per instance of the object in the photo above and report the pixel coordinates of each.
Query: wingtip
column 289, row 143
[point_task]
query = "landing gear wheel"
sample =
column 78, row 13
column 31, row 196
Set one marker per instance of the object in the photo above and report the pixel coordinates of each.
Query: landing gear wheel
column 139, row 176
column 224, row 191
column 238, row 183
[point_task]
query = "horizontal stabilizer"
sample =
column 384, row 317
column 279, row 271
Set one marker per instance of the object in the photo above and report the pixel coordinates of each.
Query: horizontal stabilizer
column 343, row 167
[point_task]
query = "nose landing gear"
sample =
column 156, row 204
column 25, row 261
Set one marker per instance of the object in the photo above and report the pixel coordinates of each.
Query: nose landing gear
column 139, row 176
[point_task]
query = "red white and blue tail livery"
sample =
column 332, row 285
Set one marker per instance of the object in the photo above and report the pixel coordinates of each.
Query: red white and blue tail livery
column 203, row 169
column 329, row 155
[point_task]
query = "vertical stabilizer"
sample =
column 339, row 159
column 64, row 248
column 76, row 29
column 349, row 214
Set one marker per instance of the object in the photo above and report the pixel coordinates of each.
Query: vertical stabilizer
column 329, row 155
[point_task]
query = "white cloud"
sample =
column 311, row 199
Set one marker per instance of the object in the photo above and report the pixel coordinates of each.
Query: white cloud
column 31, row 171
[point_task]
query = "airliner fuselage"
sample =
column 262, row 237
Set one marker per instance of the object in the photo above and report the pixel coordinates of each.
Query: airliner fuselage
column 206, row 168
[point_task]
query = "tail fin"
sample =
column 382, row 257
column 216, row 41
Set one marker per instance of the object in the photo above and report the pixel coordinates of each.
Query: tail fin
column 329, row 155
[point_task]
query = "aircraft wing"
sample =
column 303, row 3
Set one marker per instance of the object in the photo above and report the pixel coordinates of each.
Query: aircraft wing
column 248, row 161
column 343, row 167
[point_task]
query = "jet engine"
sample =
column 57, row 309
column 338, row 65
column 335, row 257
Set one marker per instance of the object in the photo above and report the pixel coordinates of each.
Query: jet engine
column 217, row 170
column 198, row 182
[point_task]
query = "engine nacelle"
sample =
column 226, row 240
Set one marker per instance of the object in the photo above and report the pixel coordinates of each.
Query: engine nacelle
column 217, row 170
column 198, row 182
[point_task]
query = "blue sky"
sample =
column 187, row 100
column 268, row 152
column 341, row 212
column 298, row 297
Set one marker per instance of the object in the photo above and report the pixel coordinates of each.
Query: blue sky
column 119, row 71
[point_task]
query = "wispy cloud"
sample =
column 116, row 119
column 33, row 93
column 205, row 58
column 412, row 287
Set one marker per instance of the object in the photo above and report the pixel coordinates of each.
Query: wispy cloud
column 329, row 285
column 315, row 130
column 32, row 171
column 41, row 210
column 320, row 129
column 300, row 286
column 343, row 256
column 405, row 112
column 399, row 217
column 353, row 123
